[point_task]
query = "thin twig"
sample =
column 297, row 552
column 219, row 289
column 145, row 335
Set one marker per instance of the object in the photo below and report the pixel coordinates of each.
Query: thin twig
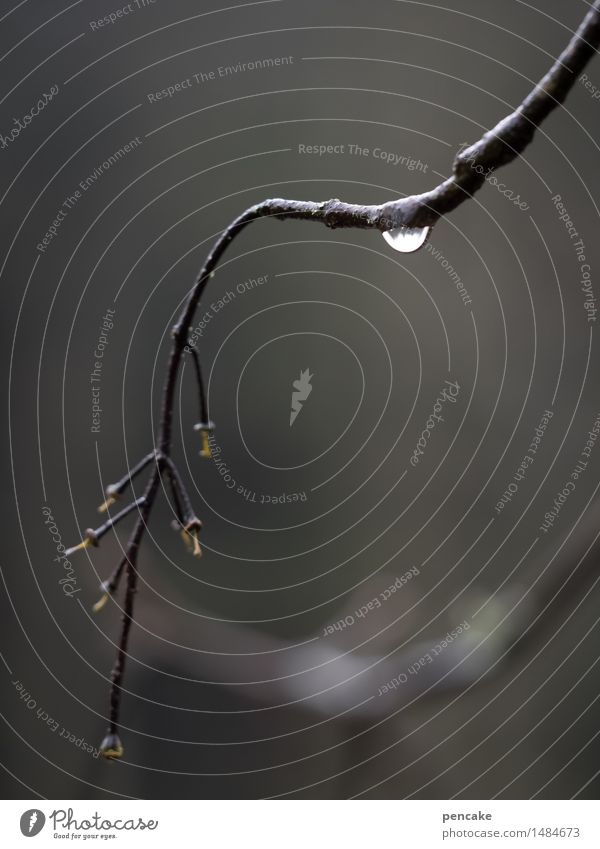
column 109, row 587
column 114, row 490
column 184, row 500
column 92, row 536
column 202, row 399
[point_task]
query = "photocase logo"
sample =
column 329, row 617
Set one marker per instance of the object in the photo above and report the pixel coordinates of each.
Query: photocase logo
column 32, row 822
column 303, row 390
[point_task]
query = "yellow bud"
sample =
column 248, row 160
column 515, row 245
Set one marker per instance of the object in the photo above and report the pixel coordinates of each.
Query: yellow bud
column 186, row 538
column 197, row 551
column 106, row 504
column 205, row 450
column 111, row 747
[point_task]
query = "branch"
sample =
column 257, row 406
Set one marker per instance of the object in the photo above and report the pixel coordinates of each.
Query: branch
column 92, row 536
column 109, row 587
column 189, row 524
column 115, row 490
column 111, row 746
column 501, row 145
column 204, row 426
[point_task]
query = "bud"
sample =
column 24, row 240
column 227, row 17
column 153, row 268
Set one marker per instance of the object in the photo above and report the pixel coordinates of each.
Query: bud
column 90, row 538
column 191, row 534
column 111, row 747
column 107, row 587
column 112, row 496
column 205, row 429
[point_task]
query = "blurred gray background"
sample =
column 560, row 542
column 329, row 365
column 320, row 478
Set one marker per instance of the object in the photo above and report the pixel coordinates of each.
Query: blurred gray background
column 238, row 685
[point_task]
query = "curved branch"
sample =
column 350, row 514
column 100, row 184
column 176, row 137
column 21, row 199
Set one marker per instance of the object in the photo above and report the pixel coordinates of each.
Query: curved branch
column 501, row 145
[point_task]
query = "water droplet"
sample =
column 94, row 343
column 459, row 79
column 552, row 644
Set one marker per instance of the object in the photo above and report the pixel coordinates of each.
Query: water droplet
column 407, row 240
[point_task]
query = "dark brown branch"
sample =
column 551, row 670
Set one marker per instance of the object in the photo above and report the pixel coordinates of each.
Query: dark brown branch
column 92, row 536
column 178, row 506
column 111, row 747
column 109, row 587
column 202, row 399
column 501, row 145
column 190, row 524
column 114, row 490
column 183, row 498
column 204, row 426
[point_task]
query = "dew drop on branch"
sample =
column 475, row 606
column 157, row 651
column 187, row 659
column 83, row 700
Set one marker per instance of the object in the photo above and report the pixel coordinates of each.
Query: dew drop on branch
column 407, row 240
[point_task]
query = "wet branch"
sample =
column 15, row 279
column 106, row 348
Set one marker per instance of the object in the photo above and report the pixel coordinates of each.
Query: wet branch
column 498, row 147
